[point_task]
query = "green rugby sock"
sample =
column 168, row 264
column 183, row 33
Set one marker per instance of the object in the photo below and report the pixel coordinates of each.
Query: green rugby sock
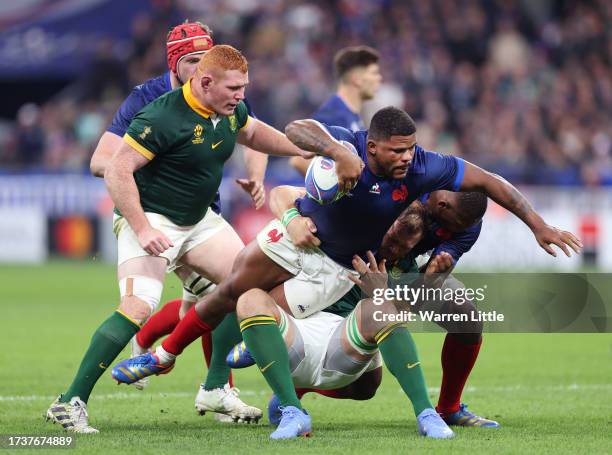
column 107, row 342
column 225, row 336
column 265, row 342
column 400, row 355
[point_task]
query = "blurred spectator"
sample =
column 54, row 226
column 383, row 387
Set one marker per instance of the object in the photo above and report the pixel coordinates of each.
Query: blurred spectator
column 522, row 88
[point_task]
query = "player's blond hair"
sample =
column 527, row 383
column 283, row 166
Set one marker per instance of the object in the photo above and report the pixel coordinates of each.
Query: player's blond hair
column 222, row 57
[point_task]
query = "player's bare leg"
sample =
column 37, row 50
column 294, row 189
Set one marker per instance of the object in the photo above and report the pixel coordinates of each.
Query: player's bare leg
column 214, row 259
column 140, row 282
column 263, row 325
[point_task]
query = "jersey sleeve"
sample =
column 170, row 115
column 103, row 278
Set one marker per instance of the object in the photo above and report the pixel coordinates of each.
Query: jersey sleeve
column 460, row 243
column 442, row 172
column 126, row 112
column 341, row 134
column 149, row 132
column 242, row 115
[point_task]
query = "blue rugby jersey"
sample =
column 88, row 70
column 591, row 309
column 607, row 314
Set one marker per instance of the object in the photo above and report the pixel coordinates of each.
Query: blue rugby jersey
column 358, row 221
column 438, row 239
column 142, row 95
column 335, row 112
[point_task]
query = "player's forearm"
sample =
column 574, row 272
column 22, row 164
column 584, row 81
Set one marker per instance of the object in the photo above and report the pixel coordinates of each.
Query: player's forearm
column 108, row 144
column 311, row 136
column 124, row 193
column 265, row 139
column 502, row 192
column 282, row 198
column 255, row 163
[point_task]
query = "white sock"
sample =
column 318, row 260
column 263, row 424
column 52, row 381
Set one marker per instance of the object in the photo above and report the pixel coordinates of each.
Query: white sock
column 163, row 355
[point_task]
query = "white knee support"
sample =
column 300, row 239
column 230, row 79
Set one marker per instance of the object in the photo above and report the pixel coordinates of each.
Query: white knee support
column 195, row 286
column 147, row 289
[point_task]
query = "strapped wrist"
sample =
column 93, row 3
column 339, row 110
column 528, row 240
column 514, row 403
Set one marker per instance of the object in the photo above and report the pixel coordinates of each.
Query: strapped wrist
column 289, row 215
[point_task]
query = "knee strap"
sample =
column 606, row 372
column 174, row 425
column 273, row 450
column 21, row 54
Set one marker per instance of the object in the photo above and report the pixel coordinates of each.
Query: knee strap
column 147, row 289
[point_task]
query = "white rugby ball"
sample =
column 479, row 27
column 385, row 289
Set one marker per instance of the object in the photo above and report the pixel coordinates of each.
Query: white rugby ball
column 321, row 180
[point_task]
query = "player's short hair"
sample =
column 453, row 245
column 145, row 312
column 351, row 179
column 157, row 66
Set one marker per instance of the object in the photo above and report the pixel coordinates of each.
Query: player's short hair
column 353, row 57
column 472, row 205
column 223, row 57
column 390, row 121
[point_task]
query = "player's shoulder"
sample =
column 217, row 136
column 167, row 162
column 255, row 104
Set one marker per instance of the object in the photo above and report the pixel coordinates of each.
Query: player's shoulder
column 154, row 88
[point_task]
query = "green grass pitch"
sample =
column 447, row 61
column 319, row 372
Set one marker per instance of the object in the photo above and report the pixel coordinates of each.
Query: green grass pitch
column 551, row 393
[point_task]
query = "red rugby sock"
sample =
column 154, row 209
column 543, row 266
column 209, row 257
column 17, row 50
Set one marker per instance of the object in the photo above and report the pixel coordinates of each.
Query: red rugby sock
column 160, row 324
column 457, row 362
column 188, row 330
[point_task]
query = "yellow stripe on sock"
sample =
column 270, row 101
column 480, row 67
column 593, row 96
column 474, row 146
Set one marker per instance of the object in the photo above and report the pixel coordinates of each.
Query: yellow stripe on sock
column 243, row 328
column 133, row 321
column 257, row 318
column 386, row 331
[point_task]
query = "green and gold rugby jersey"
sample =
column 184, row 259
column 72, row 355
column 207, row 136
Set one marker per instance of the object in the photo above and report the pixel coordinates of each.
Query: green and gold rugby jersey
column 188, row 145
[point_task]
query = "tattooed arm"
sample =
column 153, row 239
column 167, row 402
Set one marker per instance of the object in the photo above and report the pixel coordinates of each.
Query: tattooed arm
column 506, row 195
column 310, row 135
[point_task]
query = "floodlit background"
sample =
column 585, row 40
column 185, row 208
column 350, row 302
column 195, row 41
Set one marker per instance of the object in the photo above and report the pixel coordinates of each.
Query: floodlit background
column 522, row 88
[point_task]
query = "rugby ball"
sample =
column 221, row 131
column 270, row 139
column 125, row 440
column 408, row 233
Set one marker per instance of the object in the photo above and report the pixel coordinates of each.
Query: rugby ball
column 321, row 180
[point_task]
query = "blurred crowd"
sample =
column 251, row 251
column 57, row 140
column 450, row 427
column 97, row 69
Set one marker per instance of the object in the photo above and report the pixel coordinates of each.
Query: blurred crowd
column 523, row 88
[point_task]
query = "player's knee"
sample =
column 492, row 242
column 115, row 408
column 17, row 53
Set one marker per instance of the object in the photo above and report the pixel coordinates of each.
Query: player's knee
column 467, row 326
column 135, row 308
column 140, row 296
column 254, row 302
column 373, row 318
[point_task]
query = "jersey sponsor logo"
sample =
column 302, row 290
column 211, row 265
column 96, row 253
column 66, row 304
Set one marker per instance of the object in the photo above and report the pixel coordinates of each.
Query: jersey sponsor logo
column 443, row 233
column 302, row 309
column 375, row 188
column 214, row 146
column 198, row 131
column 412, row 365
column 233, row 123
column 400, row 194
column 147, row 130
column 274, row 236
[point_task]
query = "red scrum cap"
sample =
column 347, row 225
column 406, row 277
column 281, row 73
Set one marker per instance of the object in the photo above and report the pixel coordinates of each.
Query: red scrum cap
column 186, row 39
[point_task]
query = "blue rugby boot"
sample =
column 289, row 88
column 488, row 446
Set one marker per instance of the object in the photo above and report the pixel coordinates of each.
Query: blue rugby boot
column 131, row 370
column 294, row 423
column 431, row 425
column 240, row 357
column 465, row 418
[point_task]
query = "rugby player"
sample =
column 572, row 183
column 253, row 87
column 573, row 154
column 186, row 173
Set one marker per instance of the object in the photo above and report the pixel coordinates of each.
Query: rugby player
column 162, row 180
column 400, row 171
column 185, row 45
column 454, row 226
column 444, row 223
column 357, row 73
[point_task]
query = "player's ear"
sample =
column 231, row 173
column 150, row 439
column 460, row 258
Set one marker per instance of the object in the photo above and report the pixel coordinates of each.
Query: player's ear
column 371, row 147
column 206, row 82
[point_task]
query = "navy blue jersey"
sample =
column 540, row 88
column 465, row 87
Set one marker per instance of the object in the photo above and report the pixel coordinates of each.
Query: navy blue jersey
column 142, row 95
column 438, row 239
column 358, row 221
column 335, row 112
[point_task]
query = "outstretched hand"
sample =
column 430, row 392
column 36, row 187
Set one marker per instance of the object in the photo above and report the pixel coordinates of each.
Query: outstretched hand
column 547, row 235
column 255, row 189
column 371, row 276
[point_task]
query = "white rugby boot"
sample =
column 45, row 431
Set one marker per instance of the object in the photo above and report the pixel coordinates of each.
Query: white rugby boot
column 225, row 401
column 71, row 416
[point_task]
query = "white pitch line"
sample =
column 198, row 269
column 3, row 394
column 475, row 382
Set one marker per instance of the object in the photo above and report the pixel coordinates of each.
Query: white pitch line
column 470, row 389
